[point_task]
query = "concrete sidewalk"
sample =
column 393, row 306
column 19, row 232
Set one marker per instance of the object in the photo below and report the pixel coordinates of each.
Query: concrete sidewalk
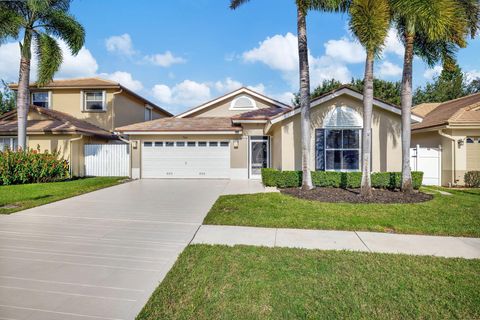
column 450, row 247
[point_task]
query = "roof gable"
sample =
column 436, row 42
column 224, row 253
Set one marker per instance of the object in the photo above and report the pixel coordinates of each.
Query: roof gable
column 345, row 90
column 246, row 91
column 458, row 111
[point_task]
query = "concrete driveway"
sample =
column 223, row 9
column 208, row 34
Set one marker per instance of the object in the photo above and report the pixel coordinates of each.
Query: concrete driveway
column 101, row 255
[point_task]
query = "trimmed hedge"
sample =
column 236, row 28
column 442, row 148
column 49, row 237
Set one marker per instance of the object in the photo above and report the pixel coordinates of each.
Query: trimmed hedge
column 380, row 180
column 472, row 179
column 31, row 166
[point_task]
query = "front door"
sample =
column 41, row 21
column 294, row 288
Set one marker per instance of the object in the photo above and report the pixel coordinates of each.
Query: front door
column 259, row 155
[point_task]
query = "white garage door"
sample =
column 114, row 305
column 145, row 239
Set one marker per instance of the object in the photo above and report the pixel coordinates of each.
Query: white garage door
column 186, row 159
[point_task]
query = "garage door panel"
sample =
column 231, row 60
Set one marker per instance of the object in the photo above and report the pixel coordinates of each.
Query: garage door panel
column 185, row 162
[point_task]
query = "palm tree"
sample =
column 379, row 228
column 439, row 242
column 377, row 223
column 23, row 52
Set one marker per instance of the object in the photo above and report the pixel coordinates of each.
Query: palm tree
column 42, row 23
column 369, row 21
column 432, row 30
column 303, row 6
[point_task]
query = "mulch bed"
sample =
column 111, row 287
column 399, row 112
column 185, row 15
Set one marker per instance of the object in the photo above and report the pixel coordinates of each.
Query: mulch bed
column 336, row 195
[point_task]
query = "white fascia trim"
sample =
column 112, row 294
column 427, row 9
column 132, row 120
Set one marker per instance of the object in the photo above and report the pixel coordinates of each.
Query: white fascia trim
column 249, row 121
column 232, row 94
column 160, row 133
column 351, row 93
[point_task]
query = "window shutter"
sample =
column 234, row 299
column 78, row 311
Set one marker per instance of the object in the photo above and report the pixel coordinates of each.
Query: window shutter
column 104, row 99
column 82, row 99
column 50, row 99
column 320, row 149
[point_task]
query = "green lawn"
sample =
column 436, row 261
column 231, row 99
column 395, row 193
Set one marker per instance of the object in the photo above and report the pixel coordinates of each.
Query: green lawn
column 217, row 282
column 456, row 215
column 24, row 196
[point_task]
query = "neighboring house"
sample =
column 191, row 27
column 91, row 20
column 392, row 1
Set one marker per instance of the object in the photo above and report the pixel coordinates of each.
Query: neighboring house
column 238, row 134
column 68, row 114
column 453, row 127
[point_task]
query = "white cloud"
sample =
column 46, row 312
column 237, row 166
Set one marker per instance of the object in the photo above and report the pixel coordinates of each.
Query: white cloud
column 281, row 53
column 81, row 65
column 164, row 59
column 472, row 75
column 432, row 72
column 227, row 85
column 120, row 44
column 388, row 69
column 393, row 44
column 278, row 52
column 345, row 50
column 125, row 79
column 260, row 88
column 187, row 93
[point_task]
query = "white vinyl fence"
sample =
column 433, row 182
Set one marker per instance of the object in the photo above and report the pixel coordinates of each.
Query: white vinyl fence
column 429, row 161
column 107, row 160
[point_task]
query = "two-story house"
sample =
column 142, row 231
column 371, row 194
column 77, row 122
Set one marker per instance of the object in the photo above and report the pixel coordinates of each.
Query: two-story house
column 67, row 114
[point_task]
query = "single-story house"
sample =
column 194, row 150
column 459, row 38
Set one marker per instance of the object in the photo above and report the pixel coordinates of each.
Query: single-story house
column 238, row 134
column 453, row 128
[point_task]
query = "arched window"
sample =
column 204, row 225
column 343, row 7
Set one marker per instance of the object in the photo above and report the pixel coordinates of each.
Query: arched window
column 243, row 102
column 344, row 117
column 337, row 144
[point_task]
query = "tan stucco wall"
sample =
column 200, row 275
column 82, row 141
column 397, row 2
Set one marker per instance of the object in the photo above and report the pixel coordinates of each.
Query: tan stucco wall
column 126, row 109
column 454, row 157
column 221, row 109
column 386, row 130
column 61, row 143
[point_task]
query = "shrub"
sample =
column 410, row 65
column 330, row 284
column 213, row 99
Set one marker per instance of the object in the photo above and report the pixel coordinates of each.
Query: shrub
column 380, row 180
column 472, row 179
column 31, row 166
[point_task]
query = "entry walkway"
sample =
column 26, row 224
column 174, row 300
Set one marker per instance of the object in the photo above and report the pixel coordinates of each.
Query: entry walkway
column 450, row 247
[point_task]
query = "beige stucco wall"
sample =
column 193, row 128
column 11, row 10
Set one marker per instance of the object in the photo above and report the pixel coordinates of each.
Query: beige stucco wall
column 386, row 130
column 221, row 109
column 62, row 143
column 455, row 161
column 122, row 108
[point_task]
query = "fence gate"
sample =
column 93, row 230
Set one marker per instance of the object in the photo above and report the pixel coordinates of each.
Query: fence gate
column 107, row 160
column 429, row 161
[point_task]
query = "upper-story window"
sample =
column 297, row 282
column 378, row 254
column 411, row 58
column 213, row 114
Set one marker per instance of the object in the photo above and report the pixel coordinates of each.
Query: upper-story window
column 243, row 102
column 94, row 101
column 148, row 113
column 41, row 99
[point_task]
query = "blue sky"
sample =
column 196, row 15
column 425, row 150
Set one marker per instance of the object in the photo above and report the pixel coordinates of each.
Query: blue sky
column 180, row 53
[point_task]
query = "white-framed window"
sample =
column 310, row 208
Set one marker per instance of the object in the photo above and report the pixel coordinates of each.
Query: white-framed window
column 148, row 144
column 243, row 102
column 148, row 113
column 159, row 144
column 202, row 143
column 470, row 140
column 338, row 143
column 94, row 101
column 8, row 143
column 191, row 144
column 224, row 144
column 41, row 99
column 180, row 144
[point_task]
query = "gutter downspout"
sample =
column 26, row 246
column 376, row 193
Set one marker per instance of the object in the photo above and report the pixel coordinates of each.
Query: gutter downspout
column 71, row 151
column 454, row 154
column 113, row 108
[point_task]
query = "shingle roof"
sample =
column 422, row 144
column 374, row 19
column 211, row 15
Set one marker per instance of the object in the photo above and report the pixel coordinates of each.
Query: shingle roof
column 424, row 108
column 261, row 114
column 92, row 83
column 459, row 111
column 183, row 124
column 57, row 122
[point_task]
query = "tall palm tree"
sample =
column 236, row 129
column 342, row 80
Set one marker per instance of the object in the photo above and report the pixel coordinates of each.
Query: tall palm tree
column 369, row 21
column 42, row 23
column 432, row 30
column 303, row 6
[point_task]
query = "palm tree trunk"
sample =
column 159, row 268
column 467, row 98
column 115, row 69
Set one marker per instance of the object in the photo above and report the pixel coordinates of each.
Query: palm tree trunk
column 304, row 97
column 406, row 97
column 366, row 186
column 23, row 94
